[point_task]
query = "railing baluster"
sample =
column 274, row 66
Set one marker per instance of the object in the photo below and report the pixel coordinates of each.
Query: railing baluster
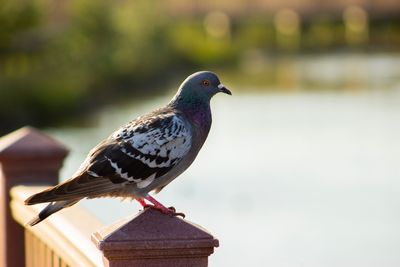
column 28, row 249
column 48, row 257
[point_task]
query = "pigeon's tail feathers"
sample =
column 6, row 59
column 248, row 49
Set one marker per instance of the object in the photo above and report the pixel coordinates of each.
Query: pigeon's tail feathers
column 40, row 197
column 48, row 195
column 53, row 207
column 78, row 187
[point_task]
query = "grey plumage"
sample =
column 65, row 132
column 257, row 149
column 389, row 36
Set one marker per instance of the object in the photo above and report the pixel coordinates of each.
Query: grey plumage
column 144, row 155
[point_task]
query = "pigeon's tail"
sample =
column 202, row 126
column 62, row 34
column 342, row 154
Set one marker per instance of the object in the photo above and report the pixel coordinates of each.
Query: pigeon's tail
column 43, row 197
column 78, row 187
column 50, row 209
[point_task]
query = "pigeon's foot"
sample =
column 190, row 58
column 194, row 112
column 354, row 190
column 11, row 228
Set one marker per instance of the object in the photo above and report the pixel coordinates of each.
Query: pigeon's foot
column 158, row 206
column 174, row 213
column 169, row 211
column 142, row 202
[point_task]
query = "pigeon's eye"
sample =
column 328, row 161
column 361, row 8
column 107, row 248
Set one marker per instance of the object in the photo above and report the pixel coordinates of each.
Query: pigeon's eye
column 206, row 82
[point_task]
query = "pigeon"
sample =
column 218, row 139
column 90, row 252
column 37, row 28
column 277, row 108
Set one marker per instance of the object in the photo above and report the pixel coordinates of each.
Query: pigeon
column 144, row 155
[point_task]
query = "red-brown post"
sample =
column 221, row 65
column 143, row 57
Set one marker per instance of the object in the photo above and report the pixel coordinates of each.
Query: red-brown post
column 29, row 157
column 153, row 239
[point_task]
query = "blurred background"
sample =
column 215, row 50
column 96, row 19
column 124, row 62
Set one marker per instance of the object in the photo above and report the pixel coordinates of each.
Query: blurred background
column 302, row 164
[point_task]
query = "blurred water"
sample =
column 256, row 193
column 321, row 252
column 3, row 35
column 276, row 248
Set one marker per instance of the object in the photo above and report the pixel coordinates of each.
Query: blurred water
column 301, row 179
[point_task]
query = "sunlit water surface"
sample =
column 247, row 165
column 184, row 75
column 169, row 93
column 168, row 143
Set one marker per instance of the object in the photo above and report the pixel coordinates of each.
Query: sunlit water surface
column 300, row 179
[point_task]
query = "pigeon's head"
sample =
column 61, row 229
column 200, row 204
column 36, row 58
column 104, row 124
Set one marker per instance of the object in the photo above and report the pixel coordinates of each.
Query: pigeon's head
column 201, row 86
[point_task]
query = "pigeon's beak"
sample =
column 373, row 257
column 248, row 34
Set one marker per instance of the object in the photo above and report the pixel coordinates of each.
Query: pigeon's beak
column 223, row 89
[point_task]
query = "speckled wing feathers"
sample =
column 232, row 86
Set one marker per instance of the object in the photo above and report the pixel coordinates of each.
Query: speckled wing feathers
column 143, row 150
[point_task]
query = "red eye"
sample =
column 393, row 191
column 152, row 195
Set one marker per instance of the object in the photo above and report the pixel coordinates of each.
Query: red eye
column 206, row 82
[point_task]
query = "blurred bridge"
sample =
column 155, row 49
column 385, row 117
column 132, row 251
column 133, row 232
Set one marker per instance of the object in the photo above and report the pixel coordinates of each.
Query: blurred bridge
column 377, row 9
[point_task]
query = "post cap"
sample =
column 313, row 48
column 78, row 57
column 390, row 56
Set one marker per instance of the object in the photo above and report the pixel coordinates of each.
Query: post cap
column 152, row 231
column 29, row 142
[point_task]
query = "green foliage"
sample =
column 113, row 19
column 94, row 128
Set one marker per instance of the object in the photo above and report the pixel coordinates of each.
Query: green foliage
column 190, row 41
column 255, row 33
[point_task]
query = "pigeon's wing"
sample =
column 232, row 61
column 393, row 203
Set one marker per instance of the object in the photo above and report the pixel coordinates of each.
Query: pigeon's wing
column 136, row 154
column 144, row 151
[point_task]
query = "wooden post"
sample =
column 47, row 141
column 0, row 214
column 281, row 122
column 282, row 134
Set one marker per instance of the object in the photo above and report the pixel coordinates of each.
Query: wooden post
column 27, row 156
column 153, row 239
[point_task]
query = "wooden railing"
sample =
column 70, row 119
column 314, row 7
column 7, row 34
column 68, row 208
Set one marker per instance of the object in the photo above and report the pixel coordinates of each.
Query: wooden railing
column 29, row 162
column 62, row 240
